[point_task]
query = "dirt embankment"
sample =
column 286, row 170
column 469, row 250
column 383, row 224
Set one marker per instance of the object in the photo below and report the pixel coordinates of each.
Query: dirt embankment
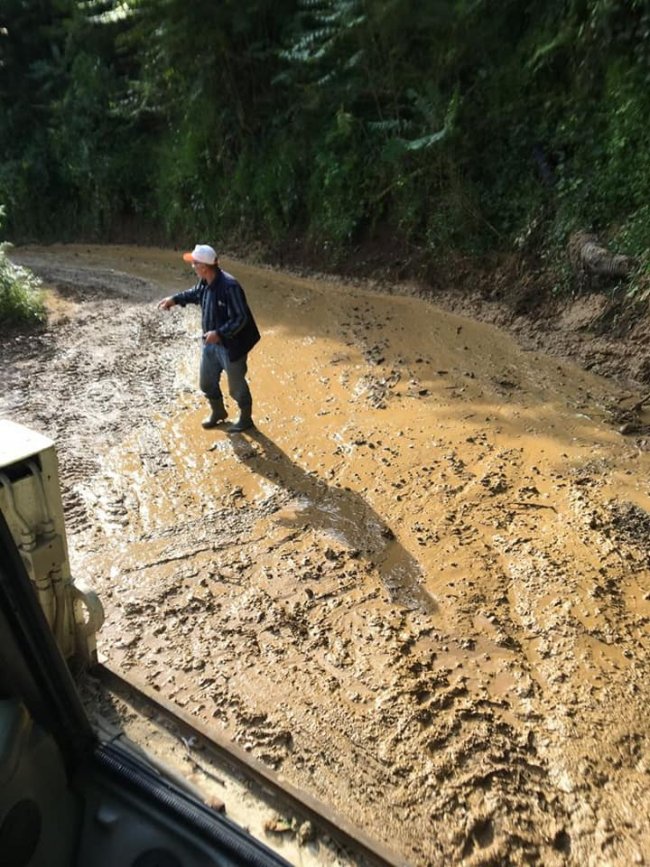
column 420, row 588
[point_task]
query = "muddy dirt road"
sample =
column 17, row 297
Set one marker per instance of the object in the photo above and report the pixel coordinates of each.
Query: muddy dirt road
column 420, row 589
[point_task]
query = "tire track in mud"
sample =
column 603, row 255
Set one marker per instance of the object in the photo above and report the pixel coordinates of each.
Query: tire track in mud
column 416, row 732
column 277, row 631
column 449, row 730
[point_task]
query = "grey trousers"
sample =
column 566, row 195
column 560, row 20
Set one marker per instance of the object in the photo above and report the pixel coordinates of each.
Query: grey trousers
column 214, row 361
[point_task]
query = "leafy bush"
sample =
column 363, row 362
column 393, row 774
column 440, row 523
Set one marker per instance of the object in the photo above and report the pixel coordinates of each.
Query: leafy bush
column 21, row 300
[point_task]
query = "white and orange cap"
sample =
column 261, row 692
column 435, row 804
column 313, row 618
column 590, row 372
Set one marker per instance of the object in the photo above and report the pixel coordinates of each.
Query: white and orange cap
column 203, row 253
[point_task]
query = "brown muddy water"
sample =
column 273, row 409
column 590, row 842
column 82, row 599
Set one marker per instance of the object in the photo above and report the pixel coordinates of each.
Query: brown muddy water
column 420, row 589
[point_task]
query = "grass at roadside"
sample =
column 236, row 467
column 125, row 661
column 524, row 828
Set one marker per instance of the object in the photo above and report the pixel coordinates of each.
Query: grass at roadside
column 21, row 298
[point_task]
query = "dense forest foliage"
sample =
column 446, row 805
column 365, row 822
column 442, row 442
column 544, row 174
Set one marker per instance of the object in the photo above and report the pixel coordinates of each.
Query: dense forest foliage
column 466, row 125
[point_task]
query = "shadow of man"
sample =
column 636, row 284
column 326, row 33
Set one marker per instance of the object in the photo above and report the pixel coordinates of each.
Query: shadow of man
column 338, row 513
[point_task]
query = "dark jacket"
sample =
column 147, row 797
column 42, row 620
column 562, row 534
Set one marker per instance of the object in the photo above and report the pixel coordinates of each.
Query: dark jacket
column 224, row 309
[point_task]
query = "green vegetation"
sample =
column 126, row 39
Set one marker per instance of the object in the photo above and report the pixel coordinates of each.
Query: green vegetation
column 21, row 301
column 453, row 125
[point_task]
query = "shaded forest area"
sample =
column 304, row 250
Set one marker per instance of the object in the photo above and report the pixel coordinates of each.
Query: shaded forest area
column 326, row 129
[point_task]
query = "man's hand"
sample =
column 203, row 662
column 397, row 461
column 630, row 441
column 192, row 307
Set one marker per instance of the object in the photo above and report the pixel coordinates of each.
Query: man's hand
column 166, row 303
column 211, row 337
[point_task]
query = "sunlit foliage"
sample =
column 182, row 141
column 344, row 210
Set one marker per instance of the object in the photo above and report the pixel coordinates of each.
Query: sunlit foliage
column 452, row 124
column 21, row 299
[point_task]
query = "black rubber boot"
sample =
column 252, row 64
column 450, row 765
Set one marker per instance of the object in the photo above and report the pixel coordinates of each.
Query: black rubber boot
column 244, row 422
column 217, row 415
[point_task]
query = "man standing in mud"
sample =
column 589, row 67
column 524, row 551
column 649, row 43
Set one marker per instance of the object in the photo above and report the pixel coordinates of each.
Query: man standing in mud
column 229, row 333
